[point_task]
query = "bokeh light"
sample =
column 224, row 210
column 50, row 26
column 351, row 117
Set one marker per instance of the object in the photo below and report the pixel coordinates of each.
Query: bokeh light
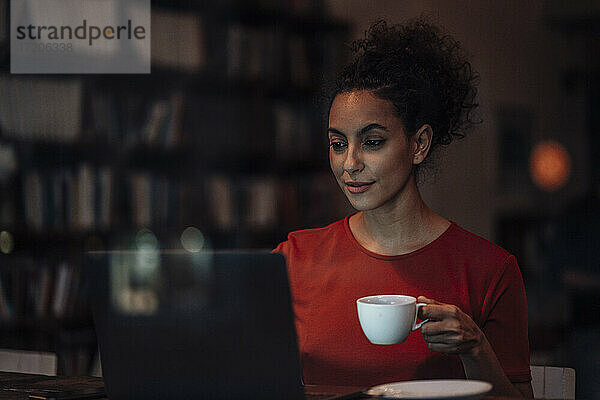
column 147, row 256
column 549, row 165
column 7, row 243
column 146, row 240
column 192, row 239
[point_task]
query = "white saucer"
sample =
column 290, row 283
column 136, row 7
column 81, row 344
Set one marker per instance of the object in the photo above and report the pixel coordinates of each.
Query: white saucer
column 432, row 389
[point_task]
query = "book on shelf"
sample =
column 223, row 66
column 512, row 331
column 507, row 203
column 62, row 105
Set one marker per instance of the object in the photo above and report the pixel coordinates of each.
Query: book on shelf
column 334, row 53
column 66, row 179
column 104, row 197
column 300, row 72
column 54, row 201
column 161, row 195
column 17, row 285
column 75, row 295
column 292, row 132
column 178, row 40
column 7, row 212
column 289, row 207
column 235, row 36
column 156, row 199
column 267, row 55
column 8, row 169
column 261, row 203
column 221, row 202
column 172, row 134
column 3, row 22
column 33, row 289
column 43, row 291
column 156, row 118
column 40, row 108
column 103, row 114
column 276, row 64
column 5, row 310
column 176, row 206
column 63, row 198
column 154, row 121
column 255, row 59
column 108, row 120
column 61, row 287
column 141, row 199
column 83, row 205
column 321, row 199
column 162, row 127
column 34, row 215
column 266, row 202
column 251, row 53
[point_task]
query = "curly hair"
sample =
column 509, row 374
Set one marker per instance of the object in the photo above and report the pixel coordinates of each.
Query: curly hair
column 421, row 71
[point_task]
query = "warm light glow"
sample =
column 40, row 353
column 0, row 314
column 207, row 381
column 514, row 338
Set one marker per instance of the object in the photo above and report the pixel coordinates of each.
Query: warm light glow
column 550, row 165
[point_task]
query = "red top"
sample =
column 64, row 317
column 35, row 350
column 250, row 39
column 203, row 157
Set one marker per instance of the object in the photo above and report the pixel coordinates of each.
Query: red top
column 328, row 270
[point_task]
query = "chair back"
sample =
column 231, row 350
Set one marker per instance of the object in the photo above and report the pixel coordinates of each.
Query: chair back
column 553, row 382
column 29, row 362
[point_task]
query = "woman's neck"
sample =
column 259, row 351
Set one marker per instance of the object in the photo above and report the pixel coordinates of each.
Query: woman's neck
column 402, row 226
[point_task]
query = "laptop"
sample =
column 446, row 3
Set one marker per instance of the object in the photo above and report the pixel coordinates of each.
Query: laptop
column 175, row 324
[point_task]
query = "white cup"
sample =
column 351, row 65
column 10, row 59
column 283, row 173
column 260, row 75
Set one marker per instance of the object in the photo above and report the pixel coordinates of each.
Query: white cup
column 388, row 318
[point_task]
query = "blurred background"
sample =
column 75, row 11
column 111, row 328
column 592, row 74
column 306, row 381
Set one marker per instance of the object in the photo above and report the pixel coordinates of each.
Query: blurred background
column 224, row 145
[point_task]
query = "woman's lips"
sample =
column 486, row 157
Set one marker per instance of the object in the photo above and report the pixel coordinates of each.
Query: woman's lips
column 358, row 187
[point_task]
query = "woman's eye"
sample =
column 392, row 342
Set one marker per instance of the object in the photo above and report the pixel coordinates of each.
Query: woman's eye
column 337, row 146
column 374, row 142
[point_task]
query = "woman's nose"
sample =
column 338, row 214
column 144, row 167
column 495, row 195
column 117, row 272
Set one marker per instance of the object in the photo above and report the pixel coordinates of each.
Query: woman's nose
column 353, row 162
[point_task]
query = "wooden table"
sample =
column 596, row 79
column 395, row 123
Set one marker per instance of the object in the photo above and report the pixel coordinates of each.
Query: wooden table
column 18, row 386
column 15, row 386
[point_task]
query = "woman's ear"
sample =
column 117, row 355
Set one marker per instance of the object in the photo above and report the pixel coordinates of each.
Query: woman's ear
column 422, row 143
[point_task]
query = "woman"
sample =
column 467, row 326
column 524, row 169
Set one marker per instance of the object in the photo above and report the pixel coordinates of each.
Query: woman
column 407, row 91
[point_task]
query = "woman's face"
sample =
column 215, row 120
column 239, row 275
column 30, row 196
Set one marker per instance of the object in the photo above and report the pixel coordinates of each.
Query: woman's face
column 370, row 153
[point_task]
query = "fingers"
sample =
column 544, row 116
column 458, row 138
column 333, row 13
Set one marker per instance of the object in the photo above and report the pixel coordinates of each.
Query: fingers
column 428, row 301
column 453, row 338
column 449, row 330
column 423, row 299
column 442, row 340
column 445, row 348
column 439, row 311
column 448, row 338
column 449, row 344
column 434, row 309
column 434, row 328
column 450, row 335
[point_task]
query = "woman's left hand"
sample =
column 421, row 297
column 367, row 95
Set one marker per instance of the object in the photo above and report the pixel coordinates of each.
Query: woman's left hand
column 449, row 330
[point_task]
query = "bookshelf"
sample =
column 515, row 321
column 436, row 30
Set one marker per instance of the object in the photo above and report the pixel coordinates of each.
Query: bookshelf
column 226, row 135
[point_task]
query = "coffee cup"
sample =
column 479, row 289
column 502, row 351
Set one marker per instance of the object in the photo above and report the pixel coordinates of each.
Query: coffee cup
column 389, row 318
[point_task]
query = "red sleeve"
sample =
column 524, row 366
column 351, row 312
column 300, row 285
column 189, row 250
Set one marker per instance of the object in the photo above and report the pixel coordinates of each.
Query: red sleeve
column 505, row 326
column 279, row 248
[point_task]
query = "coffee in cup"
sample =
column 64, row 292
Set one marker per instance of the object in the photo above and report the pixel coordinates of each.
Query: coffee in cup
column 389, row 318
